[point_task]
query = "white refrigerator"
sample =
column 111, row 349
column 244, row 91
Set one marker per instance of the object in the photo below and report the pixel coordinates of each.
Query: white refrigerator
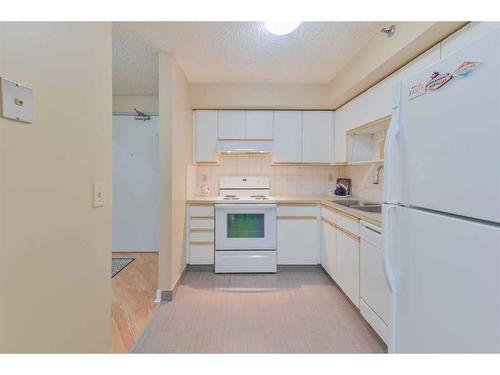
column 441, row 211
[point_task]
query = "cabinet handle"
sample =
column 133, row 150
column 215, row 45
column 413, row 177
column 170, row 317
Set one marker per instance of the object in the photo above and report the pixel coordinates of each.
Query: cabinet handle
column 329, row 222
column 373, row 230
column 348, row 234
column 296, row 217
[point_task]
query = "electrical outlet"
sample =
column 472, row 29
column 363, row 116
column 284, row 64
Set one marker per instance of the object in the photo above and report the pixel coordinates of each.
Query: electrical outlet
column 98, row 194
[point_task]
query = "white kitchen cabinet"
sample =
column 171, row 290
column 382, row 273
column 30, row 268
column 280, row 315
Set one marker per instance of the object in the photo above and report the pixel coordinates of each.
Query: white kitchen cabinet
column 348, row 264
column 342, row 121
column 205, row 136
column 317, row 136
column 329, row 248
column 466, row 36
column 374, row 291
column 298, row 234
column 259, row 125
column 287, row 145
column 200, row 223
column 376, row 102
column 232, row 124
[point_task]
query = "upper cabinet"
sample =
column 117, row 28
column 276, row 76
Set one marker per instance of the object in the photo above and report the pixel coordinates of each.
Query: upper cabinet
column 317, row 136
column 343, row 118
column 372, row 106
column 287, row 145
column 245, row 125
column 232, row 124
column 259, row 125
column 205, row 136
column 376, row 102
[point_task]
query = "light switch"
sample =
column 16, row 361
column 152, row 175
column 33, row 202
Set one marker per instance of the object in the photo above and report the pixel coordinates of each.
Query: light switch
column 17, row 101
column 98, row 189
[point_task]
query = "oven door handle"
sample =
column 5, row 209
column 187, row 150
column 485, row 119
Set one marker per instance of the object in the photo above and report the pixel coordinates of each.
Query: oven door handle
column 254, row 206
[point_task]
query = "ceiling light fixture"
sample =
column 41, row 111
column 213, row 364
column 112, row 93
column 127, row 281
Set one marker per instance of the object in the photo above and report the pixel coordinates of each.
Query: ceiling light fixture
column 281, row 28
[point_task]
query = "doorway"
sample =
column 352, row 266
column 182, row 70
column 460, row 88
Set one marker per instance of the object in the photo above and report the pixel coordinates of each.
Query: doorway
column 135, row 225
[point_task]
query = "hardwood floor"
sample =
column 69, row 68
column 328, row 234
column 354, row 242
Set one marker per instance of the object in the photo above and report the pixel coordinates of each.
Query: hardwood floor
column 134, row 290
column 287, row 312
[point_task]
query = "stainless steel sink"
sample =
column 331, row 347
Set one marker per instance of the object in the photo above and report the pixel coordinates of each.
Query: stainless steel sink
column 347, row 203
column 360, row 205
column 369, row 208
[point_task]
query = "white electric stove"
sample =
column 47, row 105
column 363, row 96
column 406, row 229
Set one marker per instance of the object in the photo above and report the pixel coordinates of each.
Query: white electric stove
column 245, row 226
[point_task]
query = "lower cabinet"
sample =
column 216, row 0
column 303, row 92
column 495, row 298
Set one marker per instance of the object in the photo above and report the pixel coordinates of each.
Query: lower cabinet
column 374, row 292
column 329, row 248
column 200, row 226
column 340, row 250
column 298, row 234
column 348, row 264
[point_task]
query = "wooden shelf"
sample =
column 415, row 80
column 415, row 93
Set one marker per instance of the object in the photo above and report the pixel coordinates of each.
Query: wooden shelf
column 373, row 127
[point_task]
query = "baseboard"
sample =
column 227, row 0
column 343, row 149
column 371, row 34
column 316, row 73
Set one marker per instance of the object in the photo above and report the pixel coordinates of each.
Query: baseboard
column 200, row 267
column 167, row 295
column 299, row 267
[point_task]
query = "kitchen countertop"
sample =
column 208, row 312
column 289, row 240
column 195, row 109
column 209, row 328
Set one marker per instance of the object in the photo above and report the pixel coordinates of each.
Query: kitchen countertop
column 325, row 200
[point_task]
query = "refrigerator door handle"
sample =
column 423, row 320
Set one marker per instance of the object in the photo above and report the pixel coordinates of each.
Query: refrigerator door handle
column 388, row 272
column 389, row 172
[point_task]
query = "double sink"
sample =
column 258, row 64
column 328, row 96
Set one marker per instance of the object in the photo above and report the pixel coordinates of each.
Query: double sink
column 360, row 205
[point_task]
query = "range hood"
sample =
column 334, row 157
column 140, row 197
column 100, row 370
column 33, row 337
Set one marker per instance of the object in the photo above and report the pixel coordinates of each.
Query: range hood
column 244, row 147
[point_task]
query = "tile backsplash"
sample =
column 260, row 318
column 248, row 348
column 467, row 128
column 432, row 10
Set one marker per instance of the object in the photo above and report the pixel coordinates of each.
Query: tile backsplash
column 362, row 182
column 285, row 179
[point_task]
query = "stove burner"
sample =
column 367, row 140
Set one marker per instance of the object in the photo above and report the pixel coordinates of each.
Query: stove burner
column 230, row 198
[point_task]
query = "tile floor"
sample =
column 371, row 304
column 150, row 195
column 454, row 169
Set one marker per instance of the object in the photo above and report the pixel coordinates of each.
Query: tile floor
column 288, row 312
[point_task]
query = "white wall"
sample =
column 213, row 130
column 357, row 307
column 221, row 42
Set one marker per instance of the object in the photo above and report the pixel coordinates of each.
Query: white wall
column 135, row 184
column 55, row 249
column 257, row 95
column 176, row 139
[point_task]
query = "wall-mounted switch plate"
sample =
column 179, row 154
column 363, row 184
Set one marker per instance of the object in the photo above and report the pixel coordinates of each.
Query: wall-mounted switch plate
column 98, row 193
column 17, row 101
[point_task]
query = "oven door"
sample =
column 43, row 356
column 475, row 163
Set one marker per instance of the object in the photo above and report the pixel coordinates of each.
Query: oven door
column 245, row 226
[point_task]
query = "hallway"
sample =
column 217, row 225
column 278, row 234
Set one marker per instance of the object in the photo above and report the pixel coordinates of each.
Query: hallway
column 133, row 291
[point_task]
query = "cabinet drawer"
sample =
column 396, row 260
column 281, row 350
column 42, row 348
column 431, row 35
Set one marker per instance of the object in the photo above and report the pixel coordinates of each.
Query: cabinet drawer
column 201, row 235
column 201, row 223
column 303, row 211
column 347, row 222
column 328, row 214
column 201, row 253
column 371, row 233
column 201, row 210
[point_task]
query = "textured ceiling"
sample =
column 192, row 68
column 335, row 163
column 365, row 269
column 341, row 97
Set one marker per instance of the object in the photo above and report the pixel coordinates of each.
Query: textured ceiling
column 233, row 52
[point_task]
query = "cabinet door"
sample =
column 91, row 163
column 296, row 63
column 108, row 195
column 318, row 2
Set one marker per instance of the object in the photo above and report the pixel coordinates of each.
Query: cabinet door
column 317, row 137
column 348, row 265
column 205, row 136
column 329, row 249
column 376, row 101
column 259, row 125
column 373, row 287
column 298, row 241
column 287, row 145
column 232, row 125
column 342, row 121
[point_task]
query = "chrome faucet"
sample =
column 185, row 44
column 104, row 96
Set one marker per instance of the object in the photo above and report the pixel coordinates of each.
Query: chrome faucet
column 377, row 174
